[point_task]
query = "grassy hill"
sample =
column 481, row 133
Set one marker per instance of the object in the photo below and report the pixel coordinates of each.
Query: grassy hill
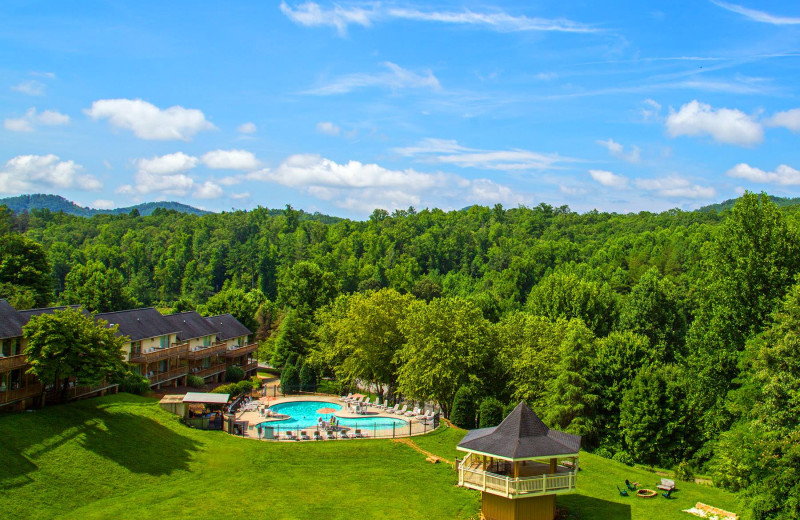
column 123, row 457
column 56, row 203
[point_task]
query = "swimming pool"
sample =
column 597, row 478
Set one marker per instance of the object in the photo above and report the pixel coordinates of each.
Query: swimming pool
column 304, row 414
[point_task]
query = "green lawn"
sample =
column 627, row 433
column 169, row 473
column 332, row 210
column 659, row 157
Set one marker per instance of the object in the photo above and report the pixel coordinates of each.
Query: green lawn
column 123, row 457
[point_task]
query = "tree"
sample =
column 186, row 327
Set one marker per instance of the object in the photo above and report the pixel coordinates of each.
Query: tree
column 243, row 305
column 448, row 342
column 233, row 374
column 98, row 288
column 69, row 345
column 290, row 380
column 653, row 309
column 306, row 286
column 564, row 294
column 291, row 338
column 24, row 271
column 571, row 399
column 307, row 378
column 463, row 412
column 490, row 413
column 653, row 417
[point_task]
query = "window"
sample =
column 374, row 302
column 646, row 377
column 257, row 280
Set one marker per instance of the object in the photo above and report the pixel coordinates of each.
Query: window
column 136, row 348
column 15, row 350
column 240, row 341
column 207, row 341
column 164, row 341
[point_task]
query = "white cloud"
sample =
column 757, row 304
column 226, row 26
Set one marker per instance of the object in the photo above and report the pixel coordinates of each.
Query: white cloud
column 32, row 119
column 328, row 128
column 241, row 196
column 724, row 125
column 103, row 204
column 358, row 186
column 675, row 187
column 26, row 173
column 311, row 14
column 395, row 78
column 208, row 190
column 788, row 119
column 617, row 150
column 448, row 151
column 147, row 121
column 651, row 109
column 230, row 160
column 758, row 16
column 783, row 174
column 162, row 174
column 247, row 128
column 609, row 179
column 31, row 88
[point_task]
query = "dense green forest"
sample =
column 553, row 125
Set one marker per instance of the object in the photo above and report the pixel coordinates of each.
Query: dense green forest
column 56, row 203
column 666, row 339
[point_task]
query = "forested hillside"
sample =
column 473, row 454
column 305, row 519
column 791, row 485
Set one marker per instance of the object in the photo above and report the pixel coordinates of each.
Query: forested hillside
column 56, row 203
column 664, row 339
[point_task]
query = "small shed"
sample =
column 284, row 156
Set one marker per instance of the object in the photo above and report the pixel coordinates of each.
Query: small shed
column 173, row 404
column 207, row 399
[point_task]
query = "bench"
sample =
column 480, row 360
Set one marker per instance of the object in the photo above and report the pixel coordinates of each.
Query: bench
column 666, row 484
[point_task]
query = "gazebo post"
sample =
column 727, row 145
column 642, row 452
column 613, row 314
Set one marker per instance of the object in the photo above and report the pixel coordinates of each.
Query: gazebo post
column 553, row 465
column 516, row 469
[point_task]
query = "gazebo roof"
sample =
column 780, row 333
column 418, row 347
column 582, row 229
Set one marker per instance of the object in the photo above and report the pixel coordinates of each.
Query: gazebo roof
column 521, row 435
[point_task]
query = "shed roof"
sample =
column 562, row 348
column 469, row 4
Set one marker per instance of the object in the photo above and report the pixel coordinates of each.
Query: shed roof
column 228, row 327
column 191, row 325
column 206, row 398
column 11, row 321
column 139, row 324
column 521, row 435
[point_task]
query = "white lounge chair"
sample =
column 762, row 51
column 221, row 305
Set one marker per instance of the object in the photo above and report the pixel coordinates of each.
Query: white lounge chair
column 366, row 402
column 358, row 434
column 317, row 436
column 290, row 436
column 343, row 398
column 330, row 435
column 413, row 414
column 402, row 411
column 304, row 436
column 393, row 409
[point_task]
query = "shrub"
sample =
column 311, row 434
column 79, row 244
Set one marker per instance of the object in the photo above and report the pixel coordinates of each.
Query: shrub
column 624, row 457
column 684, row 472
column 134, row 384
column 225, row 389
column 490, row 413
column 193, row 381
column 244, row 387
column 604, row 452
column 463, row 412
column 233, row 374
column 257, row 382
column 290, row 379
column 308, row 378
column 507, row 409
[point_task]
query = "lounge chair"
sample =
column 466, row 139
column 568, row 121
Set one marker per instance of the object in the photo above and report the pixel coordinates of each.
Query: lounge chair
column 622, row 492
column 366, row 402
column 317, row 436
column 330, row 435
column 631, row 487
column 343, row 434
column 304, row 436
column 358, row 434
column 343, row 398
column 667, row 495
column 393, row 409
column 413, row 414
column 402, row 411
column 290, row 436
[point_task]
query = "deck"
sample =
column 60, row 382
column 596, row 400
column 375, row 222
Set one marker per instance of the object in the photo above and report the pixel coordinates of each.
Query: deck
column 534, row 479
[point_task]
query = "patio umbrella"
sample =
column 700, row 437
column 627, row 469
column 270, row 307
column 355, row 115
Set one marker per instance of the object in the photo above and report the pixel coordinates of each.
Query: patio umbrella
column 326, row 410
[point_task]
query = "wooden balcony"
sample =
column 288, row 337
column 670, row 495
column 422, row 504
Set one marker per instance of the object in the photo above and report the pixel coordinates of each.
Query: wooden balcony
column 160, row 377
column 204, row 352
column 31, row 390
column 157, row 354
column 210, row 371
column 471, row 475
column 250, row 366
column 13, row 362
column 241, row 351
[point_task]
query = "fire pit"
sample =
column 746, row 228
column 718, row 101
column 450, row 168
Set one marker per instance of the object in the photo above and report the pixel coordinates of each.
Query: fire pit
column 646, row 493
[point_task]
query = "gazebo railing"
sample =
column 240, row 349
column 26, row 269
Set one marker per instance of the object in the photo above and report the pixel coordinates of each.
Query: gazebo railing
column 474, row 477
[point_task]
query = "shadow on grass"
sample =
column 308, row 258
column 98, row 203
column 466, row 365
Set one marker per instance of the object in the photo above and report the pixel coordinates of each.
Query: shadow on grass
column 110, row 428
column 580, row 506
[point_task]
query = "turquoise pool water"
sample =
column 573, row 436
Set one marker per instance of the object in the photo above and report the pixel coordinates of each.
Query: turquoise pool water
column 304, row 415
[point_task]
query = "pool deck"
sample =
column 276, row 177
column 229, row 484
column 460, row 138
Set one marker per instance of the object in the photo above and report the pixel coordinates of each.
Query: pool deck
column 347, row 412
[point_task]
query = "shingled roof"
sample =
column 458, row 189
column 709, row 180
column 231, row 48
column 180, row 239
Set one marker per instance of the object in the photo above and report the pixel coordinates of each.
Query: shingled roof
column 191, row 325
column 11, row 321
column 228, row 327
column 521, row 435
column 139, row 324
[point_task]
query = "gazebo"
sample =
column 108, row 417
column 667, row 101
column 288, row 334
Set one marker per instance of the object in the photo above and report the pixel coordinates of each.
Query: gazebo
column 519, row 466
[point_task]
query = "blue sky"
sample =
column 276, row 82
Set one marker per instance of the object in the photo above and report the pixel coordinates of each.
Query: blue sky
column 346, row 107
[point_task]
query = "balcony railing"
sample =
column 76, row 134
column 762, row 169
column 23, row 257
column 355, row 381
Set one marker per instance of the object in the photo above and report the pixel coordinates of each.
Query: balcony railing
column 237, row 351
column 210, row 371
column 157, row 354
column 12, row 362
column 250, row 366
column 511, row 487
column 31, row 390
column 160, row 377
column 203, row 352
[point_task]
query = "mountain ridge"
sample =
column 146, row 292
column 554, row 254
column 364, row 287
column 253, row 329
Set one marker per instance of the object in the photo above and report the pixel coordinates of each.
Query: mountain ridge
column 55, row 203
